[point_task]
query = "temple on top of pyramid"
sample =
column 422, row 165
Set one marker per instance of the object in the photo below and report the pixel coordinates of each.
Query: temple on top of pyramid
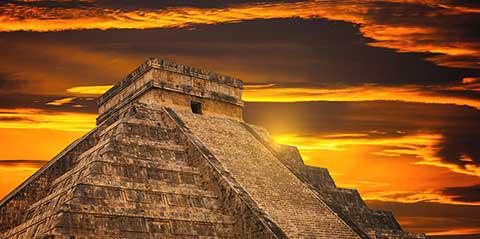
column 171, row 157
column 162, row 83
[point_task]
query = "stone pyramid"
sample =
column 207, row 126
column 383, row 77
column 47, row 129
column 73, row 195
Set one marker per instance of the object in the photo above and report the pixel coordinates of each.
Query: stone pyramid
column 171, row 157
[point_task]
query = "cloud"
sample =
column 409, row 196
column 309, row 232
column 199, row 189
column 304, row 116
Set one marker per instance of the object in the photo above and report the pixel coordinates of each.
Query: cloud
column 423, row 147
column 447, row 235
column 409, row 93
column 55, row 67
column 40, row 102
column 328, row 55
column 24, row 118
column 443, row 136
column 155, row 5
column 62, row 101
column 469, row 84
column 90, row 90
column 460, row 146
column 434, row 218
column 413, row 26
column 22, row 163
column 13, row 118
column 410, row 144
column 470, row 80
column 464, row 194
column 9, row 82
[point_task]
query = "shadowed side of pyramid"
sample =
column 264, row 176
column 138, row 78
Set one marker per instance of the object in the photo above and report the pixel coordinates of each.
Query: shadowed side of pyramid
column 171, row 157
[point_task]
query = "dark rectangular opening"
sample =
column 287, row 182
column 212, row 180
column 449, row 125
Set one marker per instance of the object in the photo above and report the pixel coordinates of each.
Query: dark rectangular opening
column 196, row 107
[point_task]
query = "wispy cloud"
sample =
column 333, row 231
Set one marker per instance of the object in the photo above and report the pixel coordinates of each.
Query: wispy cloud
column 367, row 92
column 22, row 163
column 424, row 147
column 44, row 119
column 89, row 90
column 62, row 101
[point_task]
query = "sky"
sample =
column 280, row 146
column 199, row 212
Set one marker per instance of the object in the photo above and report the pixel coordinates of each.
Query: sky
column 385, row 94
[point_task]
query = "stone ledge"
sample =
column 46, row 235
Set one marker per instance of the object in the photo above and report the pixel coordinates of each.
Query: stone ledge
column 172, row 67
column 154, row 85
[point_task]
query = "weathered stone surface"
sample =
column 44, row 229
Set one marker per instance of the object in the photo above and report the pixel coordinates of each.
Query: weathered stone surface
column 172, row 158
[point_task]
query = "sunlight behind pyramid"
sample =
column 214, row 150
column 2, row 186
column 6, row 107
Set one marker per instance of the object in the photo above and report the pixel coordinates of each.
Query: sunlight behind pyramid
column 171, row 157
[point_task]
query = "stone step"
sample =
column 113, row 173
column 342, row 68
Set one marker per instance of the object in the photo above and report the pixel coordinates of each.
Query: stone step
column 174, row 196
column 134, row 192
column 153, row 169
column 129, row 161
column 148, row 132
column 151, row 152
column 136, row 173
column 175, row 166
column 126, row 226
column 153, row 186
column 189, row 214
column 161, row 156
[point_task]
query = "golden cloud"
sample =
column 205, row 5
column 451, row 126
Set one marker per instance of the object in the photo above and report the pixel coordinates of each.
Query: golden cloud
column 456, row 231
column 421, row 149
column 367, row 92
column 89, row 90
column 61, row 101
column 401, row 35
column 41, row 119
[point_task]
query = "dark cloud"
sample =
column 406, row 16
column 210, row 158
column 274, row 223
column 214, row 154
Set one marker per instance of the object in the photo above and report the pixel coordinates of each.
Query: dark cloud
column 466, row 94
column 433, row 217
column 385, row 116
column 445, row 30
column 464, row 194
column 289, row 52
column 22, row 162
column 14, row 118
column 461, row 147
column 50, row 3
column 470, row 236
column 464, row 3
column 10, row 83
column 124, row 5
column 79, row 104
column 147, row 4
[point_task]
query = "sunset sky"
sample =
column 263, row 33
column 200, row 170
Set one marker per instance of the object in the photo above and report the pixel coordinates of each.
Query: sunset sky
column 385, row 94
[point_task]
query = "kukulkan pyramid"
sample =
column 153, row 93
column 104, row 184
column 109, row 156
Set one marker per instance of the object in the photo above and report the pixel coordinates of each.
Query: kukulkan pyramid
column 171, row 157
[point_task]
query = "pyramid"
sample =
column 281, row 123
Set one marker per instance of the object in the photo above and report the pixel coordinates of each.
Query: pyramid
column 171, row 157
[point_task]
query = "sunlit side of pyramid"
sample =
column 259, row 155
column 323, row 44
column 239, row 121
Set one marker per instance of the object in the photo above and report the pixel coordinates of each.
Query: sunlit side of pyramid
column 171, row 157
